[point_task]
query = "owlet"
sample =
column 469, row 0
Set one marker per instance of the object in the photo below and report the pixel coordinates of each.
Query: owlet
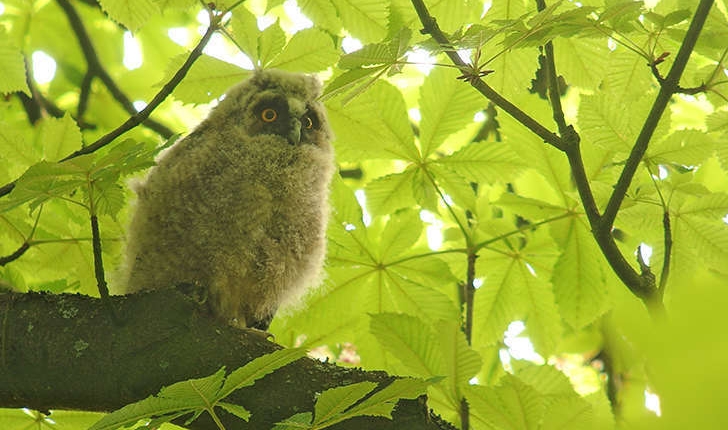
column 239, row 206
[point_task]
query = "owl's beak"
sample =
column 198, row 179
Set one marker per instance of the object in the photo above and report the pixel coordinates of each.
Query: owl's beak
column 294, row 136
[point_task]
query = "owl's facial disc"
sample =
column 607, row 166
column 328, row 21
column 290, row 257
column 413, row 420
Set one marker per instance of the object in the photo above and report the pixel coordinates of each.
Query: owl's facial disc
column 291, row 119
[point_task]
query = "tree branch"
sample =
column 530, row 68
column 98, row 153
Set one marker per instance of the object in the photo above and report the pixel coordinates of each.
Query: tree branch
column 430, row 27
column 142, row 115
column 668, row 87
column 15, row 254
column 63, row 351
column 95, row 68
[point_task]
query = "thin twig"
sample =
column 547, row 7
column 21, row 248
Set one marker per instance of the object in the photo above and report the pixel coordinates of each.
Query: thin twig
column 15, row 255
column 430, row 27
column 469, row 296
column 667, row 240
column 669, row 86
column 140, row 116
column 25, row 246
column 95, row 68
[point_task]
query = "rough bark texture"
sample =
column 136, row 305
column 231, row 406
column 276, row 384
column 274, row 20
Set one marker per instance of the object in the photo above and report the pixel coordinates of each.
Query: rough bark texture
column 64, row 351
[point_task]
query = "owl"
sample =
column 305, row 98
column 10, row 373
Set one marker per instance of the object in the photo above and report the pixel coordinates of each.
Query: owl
column 239, row 206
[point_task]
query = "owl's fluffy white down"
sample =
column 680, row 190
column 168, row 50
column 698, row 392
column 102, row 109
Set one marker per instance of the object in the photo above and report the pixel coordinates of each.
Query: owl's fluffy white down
column 241, row 214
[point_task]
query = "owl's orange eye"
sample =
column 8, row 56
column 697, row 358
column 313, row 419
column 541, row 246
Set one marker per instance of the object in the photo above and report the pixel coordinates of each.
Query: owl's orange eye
column 269, row 115
column 307, row 122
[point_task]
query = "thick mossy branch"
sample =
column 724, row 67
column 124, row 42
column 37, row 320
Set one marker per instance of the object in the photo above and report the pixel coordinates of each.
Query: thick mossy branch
column 64, row 351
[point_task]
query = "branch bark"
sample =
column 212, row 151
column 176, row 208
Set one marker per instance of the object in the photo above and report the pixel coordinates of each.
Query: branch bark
column 65, row 352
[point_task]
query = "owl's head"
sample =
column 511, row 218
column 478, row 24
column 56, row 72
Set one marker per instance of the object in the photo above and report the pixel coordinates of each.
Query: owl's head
column 278, row 103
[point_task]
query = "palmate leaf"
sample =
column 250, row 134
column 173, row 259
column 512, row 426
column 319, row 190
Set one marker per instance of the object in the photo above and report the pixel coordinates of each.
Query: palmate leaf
column 12, row 67
column 60, row 137
column 606, row 123
column 270, row 43
column 578, row 277
column 195, row 396
column 581, row 61
column 460, row 361
column 706, row 239
column 323, row 13
column 446, row 106
column 411, row 340
column 207, row 79
column 499, row 300
column 132, row 14
column 382, row 402
column 543, row 320
column 364, row 19
column 333, row 402
column 510, row 405
column 43, row 181
column 390, row 193
column 686, row 147
column 244, row 31
column 373, row 125
column 172, row 401
column 484, row 162
column 627, row 75
column 309, row 50
column 400, row 234
column 258, row 368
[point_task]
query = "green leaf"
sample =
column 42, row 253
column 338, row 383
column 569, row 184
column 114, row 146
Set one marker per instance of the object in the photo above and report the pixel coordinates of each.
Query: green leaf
column 364, row 19
column 484, row 162
column 373, row 125
column 208, row 78
column 243, row 28
column 42, row 182
column 60, row 137
column 581, row 61
column 626, row 76
column 706, row 239
column 132, row 14
column 236, row 410
column 109, row 198
column 309, row 50
column 605, row 123
column 323, row 13
column 543, row 320
column 511, row 405
column 446, row 106
column 400, row 234
column 410, row 340
column 578, row 277
column 390, row 193
column 333, row 402
column 383, row 401
column 499, row 300
column 374, row 54
column 12, row 67
column 460, row 361
column 296, row 422
column 686, row 147
column 258, row 368
column 571, row 413
column 270, row 43
column 172, row 401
